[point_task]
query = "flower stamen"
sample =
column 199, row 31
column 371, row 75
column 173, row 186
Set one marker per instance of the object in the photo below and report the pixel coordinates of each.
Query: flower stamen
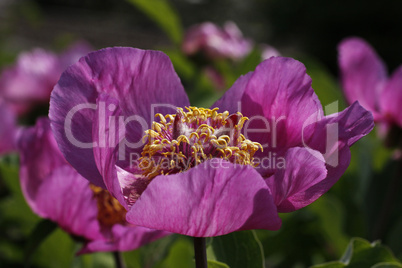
column 110, row 211
column 185, row 139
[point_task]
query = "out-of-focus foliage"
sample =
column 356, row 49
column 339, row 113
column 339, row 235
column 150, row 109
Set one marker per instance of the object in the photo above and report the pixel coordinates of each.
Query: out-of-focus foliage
column 216, row 264
column 40, row 233
column 362, row 254
column 239, row 249
column 163, row 14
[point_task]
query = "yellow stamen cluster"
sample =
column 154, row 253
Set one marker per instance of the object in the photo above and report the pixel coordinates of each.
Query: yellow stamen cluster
column 110, row 211
column 186, row 139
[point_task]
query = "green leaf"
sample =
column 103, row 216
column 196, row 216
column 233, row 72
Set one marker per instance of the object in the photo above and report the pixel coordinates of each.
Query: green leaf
column 387, row 265
column 42, row 230
column 155, row 252
column 361, row 251
column 94, row 260
column 163, row 15
column 181, row 254
column 331, row 216
column 362, row 254
column 217, row 264
column 58, row 251
column 239, row 249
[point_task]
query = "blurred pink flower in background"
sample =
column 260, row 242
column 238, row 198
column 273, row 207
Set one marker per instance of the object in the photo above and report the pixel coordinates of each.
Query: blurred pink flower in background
column 215, row 77
column 268, row 51
column 215, row 195
column 31, row 79
column 8, row 129
column 209, row 41
column 55, row 191
column 364, row 78
column 215, row 42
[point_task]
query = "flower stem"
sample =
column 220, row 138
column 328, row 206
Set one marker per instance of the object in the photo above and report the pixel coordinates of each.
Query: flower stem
column 118, row 259
column 200, row 252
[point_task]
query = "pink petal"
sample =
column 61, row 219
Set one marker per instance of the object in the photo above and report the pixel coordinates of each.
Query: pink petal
column 310, row 173
column 278, row 100
column 352, row 124
column 108, row 134
column 333, row 136
column 66, row 198
column 143, row 83
column 55, row 191
column 214, row 198
column 391, row 98
column 39, row 156
column 123, row 238
column 363, row 73
column 281, row 88
column 290, row 185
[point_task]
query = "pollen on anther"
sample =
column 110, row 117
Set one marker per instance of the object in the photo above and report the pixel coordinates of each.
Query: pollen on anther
column 186, row 139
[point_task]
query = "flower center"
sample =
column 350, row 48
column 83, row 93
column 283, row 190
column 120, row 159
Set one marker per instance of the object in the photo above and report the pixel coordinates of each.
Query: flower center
column 185, row 139
column 110, row 212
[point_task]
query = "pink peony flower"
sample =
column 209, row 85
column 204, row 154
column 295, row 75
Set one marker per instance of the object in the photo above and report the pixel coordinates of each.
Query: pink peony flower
column 55, row 191
column 364, row 78
column 196, row 171
column 215, row 42
column 32, row 78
